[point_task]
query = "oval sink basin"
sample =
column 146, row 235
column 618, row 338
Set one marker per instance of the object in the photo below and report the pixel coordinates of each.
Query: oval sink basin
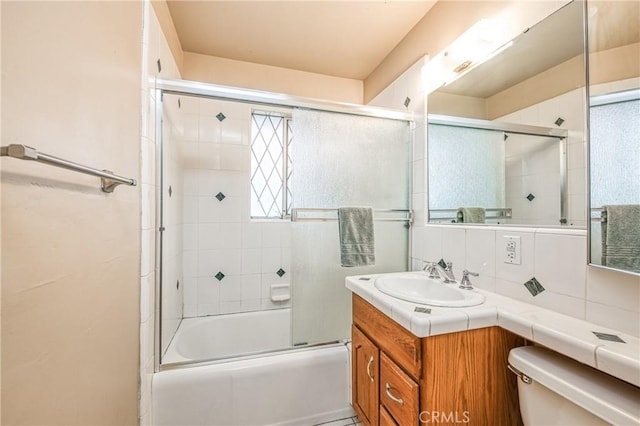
column 421, row 289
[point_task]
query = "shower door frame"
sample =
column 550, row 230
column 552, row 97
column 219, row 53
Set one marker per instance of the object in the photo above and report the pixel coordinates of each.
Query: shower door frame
column 257, row 97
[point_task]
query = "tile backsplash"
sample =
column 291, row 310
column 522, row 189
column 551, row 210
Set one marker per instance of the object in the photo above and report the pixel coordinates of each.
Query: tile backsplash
column 557, row 258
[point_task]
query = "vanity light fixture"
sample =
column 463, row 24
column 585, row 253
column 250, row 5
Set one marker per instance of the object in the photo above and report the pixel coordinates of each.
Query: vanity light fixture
column 478, row 44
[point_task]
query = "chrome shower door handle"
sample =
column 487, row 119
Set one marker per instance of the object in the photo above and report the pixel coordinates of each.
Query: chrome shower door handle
column 369, row 368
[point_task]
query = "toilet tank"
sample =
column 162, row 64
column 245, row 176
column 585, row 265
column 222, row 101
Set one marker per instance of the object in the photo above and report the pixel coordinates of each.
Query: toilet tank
column 563, row 391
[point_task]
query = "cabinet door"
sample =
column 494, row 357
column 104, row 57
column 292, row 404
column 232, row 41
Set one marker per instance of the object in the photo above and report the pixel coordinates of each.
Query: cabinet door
column 364, row 375
column 398, row 393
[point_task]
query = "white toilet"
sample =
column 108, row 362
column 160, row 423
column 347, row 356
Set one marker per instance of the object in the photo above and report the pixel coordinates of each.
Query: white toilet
column 556, row 390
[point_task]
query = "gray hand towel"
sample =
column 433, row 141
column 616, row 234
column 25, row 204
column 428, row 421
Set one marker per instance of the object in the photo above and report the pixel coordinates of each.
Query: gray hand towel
column 357, row 242
column 621, row 236
column 470, row 215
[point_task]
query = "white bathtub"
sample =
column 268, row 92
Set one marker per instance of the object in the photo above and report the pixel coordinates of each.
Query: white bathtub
column 222, row 336
column 296, row 387
column 299, row 387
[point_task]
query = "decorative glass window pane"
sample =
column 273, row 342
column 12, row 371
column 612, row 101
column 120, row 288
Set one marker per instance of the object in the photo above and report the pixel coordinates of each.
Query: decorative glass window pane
column 270, row 165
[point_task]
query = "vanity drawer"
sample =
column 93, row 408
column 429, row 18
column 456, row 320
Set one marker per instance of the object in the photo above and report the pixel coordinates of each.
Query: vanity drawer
column 402, row 346
column 398, row 393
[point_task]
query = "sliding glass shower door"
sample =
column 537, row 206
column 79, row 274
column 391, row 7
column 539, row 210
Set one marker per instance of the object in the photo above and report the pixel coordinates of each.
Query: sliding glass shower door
column 342, row 160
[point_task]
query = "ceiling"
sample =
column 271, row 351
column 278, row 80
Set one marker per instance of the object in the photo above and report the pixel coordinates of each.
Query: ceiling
column 345, row 38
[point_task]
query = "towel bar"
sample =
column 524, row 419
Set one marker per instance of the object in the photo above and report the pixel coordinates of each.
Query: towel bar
column 326, row 215
column 109, row 181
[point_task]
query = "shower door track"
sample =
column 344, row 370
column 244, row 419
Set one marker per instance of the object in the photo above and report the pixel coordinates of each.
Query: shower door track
column 275, row 99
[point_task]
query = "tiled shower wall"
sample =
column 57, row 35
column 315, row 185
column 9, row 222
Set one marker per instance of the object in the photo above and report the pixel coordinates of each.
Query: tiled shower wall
column 155, row 52
column 230, row 261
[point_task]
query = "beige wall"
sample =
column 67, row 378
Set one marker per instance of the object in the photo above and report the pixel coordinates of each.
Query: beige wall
column 70, row 253
column 444, row 23
column 210, row 69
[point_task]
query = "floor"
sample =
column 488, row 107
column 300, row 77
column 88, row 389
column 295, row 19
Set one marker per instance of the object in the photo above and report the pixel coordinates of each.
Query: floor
column 349, row 421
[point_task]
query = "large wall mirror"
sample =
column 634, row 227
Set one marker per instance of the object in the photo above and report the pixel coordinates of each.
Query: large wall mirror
column 506, row 140
column 614, row 134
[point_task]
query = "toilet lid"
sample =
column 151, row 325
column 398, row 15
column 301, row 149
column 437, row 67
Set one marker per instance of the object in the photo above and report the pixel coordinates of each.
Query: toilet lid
column 611, row 399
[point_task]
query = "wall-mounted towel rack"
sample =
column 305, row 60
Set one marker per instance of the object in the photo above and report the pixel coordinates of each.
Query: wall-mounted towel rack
column 325, row 215
column 450, row 214
column 109, row 181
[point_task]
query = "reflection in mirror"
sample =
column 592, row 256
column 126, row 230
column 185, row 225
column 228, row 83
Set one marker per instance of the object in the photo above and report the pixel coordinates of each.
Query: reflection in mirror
column 478, row 170
column 532, row 96
column 614, row 135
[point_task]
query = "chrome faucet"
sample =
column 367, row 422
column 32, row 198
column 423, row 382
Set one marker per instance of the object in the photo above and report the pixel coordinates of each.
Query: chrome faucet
column 465, row 283
column 440, row 270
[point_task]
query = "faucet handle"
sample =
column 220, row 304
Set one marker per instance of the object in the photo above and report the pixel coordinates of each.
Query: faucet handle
column 465, row 283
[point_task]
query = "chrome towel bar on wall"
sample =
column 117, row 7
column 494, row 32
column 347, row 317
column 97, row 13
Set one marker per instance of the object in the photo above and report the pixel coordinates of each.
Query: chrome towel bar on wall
column 109, row 181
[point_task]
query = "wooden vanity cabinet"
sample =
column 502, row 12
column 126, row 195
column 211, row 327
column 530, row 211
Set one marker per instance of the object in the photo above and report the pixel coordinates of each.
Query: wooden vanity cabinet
column 364, row 377
column 453, row 378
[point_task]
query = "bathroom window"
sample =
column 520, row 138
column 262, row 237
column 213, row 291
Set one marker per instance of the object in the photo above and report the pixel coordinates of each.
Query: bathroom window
column 271, row 166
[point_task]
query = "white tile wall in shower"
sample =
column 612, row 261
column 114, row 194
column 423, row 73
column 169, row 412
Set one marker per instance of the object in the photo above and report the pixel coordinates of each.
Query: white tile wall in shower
column 219, row 235
column 154, row 47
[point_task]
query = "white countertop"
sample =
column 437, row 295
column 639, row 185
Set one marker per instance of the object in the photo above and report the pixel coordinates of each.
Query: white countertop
column 564, row 334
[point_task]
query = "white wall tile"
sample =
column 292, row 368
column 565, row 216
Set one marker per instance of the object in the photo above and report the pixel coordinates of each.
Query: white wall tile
column 233, row 130
column 454, row 247
column 207, row 235
column 190, row 231
column 251, row 287
column 572, row 306
column 230, row 307
column 432, row 243
column 271, row 234
column 190, row 291
column 560, row 263
column 208, row 209
column 480, row 252
column 614, row 318
column 514, row 290
column 230, row 235
column 613, row 288
column 208, row 291
column 231, row 288
column 271, row 260
column 251, row 261
column 418, row 185
column 190, row 264
column 247, row 305
column 251, row 235
column 208, row 129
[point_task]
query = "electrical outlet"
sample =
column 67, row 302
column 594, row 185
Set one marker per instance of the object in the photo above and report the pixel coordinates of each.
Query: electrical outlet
column 512, row 249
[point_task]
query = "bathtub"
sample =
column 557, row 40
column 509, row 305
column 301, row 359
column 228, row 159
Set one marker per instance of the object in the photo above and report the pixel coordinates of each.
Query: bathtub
column 222, row 336
column 296, row 387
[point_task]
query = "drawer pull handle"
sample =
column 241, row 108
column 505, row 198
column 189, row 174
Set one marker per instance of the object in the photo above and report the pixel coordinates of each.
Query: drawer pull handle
column 390, row 395
column 369, row 368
